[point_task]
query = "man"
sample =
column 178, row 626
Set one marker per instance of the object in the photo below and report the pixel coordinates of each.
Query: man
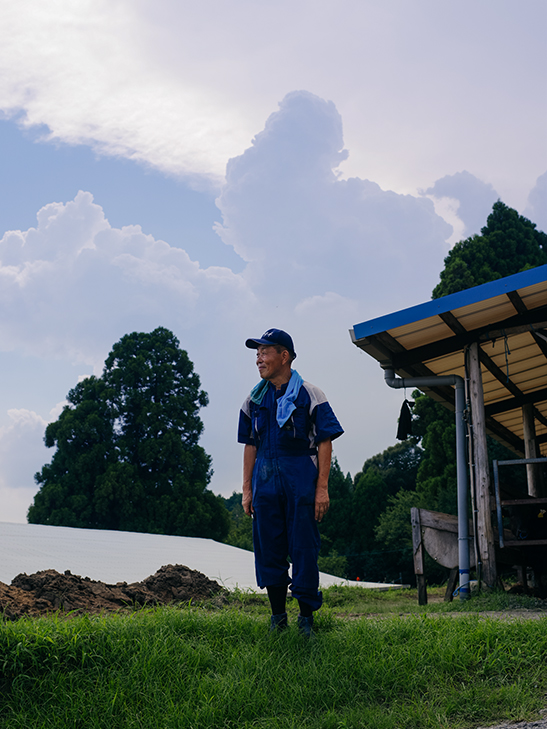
column 287, row 427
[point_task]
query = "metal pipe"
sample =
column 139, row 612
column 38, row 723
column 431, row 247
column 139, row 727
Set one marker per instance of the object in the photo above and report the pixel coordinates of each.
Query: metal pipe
column 461, row 464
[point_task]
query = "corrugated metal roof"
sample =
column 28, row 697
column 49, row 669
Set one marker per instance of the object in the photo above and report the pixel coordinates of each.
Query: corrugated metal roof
column 507, row 317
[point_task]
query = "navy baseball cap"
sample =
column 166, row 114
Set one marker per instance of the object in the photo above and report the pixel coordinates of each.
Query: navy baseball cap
column 273, row 336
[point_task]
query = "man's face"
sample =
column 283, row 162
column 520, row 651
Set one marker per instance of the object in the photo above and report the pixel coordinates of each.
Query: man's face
column 270, row 362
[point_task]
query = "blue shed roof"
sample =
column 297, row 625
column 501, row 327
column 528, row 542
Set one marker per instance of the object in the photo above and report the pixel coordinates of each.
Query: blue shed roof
column 448, row 303
column 507, row 317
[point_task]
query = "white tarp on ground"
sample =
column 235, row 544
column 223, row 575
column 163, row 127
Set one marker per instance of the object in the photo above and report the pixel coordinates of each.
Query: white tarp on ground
column 126, row 556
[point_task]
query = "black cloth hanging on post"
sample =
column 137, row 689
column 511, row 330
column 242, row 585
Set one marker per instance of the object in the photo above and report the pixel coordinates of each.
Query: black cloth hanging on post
column 404, row 428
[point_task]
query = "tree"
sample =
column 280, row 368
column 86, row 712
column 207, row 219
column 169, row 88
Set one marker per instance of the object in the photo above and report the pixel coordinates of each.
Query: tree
column 128, row 456
column 383, row 476
column 508, row 244
column 348, row 542
column 436, row 479
column 434, row 487
column 240, row 532
column 334, row 525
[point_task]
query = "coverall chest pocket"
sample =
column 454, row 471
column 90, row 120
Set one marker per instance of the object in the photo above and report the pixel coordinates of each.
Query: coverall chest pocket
column 260, row 424
column 294, row 434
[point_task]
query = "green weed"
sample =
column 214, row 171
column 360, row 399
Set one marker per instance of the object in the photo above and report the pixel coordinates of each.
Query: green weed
column 199, row 668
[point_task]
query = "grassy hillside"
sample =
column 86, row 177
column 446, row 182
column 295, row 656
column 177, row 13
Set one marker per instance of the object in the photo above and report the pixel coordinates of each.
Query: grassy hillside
column 378, row 661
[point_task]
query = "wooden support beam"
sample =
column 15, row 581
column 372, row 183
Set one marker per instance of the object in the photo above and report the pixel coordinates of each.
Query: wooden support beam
column 451, row 584
column 418, row 551
column 482, row 471
column 533, row 471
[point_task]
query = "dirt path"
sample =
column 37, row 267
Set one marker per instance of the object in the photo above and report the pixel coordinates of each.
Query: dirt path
column 522, row 614
column 540, row 724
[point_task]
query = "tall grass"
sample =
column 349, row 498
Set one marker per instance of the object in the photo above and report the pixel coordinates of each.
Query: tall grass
column 198, row 668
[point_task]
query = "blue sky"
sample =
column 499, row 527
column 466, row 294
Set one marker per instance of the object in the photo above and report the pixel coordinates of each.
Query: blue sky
column 36, row 173
column 221, row 170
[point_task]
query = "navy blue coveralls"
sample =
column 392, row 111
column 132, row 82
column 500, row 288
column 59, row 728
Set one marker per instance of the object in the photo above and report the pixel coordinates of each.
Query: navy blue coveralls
column 283, row 488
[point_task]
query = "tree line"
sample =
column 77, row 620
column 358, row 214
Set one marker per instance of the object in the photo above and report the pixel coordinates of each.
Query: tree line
column 128, row 455
column 367, row 531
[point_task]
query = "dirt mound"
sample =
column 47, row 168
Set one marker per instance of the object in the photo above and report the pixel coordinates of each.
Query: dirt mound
column 48, row 590
column 178, row 583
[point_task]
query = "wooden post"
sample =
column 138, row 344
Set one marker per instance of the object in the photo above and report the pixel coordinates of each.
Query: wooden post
column 451, row 584
column 418, row 550
column 482, row 474
column 533, row 473
column 521, row 575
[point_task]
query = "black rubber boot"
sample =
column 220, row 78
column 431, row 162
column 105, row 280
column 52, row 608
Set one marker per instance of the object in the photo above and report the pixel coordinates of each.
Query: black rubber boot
column 278, row 622
column 305, row 626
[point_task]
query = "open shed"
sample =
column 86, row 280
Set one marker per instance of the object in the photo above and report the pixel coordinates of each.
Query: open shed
column 494, row 337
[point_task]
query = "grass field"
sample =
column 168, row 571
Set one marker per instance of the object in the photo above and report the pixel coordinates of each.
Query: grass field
column 377, row 661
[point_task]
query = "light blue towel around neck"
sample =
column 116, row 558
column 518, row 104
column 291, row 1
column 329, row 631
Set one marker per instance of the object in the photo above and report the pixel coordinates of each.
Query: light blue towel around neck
column 285, row 404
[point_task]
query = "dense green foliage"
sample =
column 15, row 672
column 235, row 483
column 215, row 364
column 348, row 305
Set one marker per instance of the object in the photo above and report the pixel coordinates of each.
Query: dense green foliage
column 127, row 453
column 240, row 532
column 507, row 244
column 348, row 529
column 369, row 523
column 192, row 667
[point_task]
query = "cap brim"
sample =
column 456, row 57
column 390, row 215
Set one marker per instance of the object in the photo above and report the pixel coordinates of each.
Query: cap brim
column 256, row 343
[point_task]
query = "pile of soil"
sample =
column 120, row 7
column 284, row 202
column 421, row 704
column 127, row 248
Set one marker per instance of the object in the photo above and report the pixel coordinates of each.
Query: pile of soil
column 48, row 591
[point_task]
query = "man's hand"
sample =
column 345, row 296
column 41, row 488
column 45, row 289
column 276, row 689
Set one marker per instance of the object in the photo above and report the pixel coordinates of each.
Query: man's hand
column 247, row 502
column 249, row 457
column 322, row 502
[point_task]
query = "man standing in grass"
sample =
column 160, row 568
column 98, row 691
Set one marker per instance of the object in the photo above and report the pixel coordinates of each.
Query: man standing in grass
column 287, row 427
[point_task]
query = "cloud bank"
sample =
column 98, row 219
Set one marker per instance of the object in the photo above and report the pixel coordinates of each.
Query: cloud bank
column 423, row 89
column 536, row 210
column 474, row 198
column 322, row 253
column 22, row 453
column 85, row 71
column 304, row 231
column 74, row 284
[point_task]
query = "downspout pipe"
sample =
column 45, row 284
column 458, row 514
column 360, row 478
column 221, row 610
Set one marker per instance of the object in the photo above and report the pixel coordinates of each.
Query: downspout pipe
column 461, row 461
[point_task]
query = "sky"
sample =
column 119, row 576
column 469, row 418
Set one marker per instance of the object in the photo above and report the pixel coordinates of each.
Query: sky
column 223, row 168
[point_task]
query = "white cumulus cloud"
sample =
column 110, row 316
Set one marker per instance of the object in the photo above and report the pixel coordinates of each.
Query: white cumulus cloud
column 536, row 210
column 73, row 285
column 22, row 454
column 304, row 231
column 85, row 71
column 423, row 87
column 474, row 198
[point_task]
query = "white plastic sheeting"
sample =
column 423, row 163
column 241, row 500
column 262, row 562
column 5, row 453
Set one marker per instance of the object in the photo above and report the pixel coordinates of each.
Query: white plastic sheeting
column 126, row 556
